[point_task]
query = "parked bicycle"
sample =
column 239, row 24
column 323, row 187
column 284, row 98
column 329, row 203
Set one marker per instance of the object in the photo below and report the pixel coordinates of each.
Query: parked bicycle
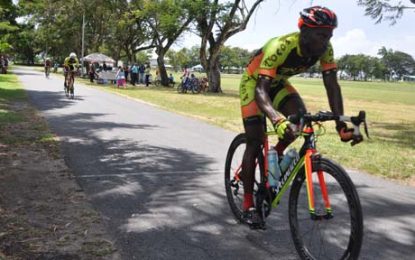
column 325, row 214
column 191, row 84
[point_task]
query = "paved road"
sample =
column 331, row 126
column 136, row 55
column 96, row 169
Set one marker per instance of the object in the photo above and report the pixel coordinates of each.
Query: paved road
column 156, row 177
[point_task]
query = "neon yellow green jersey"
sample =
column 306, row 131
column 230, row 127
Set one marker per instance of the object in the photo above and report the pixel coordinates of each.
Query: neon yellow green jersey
column 280, row 58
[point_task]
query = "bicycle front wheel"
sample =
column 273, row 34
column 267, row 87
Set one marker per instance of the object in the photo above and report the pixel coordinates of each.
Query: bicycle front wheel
column 335, row 230
column 71, row 87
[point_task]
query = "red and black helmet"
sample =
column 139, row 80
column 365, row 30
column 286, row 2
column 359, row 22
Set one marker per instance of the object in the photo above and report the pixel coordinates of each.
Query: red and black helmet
column 317, row 17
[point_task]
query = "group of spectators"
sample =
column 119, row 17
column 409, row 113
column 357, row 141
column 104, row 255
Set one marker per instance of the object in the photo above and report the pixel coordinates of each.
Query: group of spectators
column 4, row 64
column 139, row 74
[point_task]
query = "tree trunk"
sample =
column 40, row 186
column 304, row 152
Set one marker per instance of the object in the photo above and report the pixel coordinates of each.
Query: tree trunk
column 161, row 67
column 214, row 77
column 213, row 71
column 162, row 71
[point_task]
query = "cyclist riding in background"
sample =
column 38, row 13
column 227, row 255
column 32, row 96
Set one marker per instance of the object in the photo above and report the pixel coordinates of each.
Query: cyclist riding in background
column 265, row 89
column 70, row 64
column 48, row 65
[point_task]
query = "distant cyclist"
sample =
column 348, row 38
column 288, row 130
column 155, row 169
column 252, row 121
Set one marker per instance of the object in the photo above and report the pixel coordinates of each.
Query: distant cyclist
column 265, row 89
column 71, row 64
column 48, row 65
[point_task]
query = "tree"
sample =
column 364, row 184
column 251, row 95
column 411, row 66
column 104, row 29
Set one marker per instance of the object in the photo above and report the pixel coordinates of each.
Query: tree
column 8, row 13
column 397, row 63
column 216, row 22
column 383, row 10
column 233, row 57
column 168, row 19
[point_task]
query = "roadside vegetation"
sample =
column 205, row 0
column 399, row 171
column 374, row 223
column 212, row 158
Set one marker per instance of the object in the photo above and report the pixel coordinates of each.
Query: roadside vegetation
column 43, row 213
column 389, row 106
column 19, row 124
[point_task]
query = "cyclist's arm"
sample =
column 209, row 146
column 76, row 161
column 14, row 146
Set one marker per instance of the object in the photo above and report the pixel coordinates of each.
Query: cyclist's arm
column 329, row 69
column 263, row 100
column 266, row 72
column 333, row 91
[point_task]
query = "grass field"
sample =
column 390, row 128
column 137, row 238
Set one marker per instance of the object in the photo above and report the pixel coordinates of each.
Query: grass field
column 390, row 109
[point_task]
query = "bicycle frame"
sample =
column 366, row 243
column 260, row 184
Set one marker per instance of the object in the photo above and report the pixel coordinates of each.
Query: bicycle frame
column 307, row 151
column 70, row 76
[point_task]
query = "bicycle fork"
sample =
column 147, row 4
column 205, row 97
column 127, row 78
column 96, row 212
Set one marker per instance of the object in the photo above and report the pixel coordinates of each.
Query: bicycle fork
column 310, row 157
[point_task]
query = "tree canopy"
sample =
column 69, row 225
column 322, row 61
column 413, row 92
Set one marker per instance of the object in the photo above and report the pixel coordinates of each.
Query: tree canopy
column 385, row 10
column 127, row 29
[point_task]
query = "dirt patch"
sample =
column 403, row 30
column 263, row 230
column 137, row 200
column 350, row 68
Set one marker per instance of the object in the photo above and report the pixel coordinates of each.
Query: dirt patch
column 43, row 212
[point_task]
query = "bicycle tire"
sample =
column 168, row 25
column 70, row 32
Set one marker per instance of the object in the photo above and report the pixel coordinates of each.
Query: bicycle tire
column 332, row 237
column 195, row 87
column 66, row 88
column 180, row 88
column 71, row 87
column 234, row 187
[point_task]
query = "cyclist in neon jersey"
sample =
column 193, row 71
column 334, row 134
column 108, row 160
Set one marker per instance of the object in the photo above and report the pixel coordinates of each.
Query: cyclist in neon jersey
column 265, row 89
column 70, row 63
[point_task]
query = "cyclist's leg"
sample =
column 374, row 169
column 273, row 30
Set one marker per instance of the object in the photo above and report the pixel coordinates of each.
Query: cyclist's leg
column 72, row 81
column 254, row 129
column 65, row 74
column 287, row 101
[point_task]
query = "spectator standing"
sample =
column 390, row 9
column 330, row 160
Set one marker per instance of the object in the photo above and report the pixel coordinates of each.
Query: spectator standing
column 55, row 67
column 126, row 72
column 120, row 77
column 91, row 73
column 141, row 71
column 134, row 74
column 147, row 72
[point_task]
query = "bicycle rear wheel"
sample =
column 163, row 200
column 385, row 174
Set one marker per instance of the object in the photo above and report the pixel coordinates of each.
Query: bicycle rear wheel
column 195, row 87
column 180, row 88
column 71, row 87
column 335, row 234
column 234, row 185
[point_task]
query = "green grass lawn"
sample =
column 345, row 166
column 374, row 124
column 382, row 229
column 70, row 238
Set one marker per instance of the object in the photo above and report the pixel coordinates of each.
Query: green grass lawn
column 390, row 109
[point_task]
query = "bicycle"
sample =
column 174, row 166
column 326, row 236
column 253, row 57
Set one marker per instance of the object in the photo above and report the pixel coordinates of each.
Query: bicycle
column 69, row 86
column 192, row 84
column 325, row 214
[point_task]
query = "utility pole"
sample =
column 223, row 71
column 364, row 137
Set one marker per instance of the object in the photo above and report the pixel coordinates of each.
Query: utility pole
column 83, row 34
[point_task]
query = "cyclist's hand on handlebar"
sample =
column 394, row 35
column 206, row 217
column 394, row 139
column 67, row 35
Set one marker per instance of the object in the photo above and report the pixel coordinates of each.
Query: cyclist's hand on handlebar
column 346, row 134
column 284, row 130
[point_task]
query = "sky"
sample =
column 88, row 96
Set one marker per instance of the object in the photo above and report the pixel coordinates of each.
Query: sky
column 355, row 34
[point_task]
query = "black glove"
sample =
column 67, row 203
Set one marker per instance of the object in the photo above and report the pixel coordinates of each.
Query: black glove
column 346, row 134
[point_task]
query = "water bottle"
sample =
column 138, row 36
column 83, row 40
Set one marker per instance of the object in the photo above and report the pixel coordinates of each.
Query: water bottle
column 273, row 168
column 287, row 159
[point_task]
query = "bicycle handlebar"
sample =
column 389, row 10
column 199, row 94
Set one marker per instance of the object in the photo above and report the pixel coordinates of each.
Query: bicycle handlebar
column 306, row 118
